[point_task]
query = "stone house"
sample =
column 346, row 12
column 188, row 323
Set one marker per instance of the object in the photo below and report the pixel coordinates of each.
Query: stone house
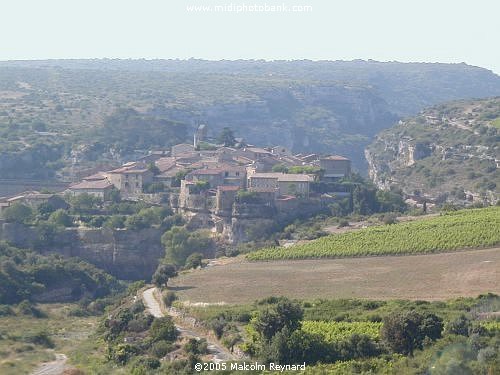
column 225, row 198
column 285, row 183
column 221, row 175
column 335, row 167
column 35, row 199
column 130, row 179
column 214, row 176
column 96, row 187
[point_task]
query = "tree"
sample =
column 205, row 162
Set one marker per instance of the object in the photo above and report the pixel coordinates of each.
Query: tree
column 364, row 200
column 226, row 137
column 18, row 213
column 459, row 326
column 405, row 332
column 280, row 168
column 180, row 244
column 272, row 320
column 390, row 201
column 147, row 217
column 84, row 202
column 115, row 222
column 163, row 329
column 179, row 176
column 163, row 273
column 196, row 347
column 194, row 261
column 61, row 218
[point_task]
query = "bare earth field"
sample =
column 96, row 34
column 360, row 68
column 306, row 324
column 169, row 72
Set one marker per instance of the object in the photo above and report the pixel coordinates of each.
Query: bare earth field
column 426, row 277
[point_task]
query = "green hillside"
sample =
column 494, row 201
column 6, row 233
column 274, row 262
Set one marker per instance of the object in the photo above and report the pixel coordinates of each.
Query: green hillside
column 54, row 113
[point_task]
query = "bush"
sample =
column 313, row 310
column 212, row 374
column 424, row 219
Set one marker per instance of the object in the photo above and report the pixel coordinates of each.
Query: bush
column 41, row 338
column 160, row 348
column 146, row 363
column 115, row 222
column 60, row 217
column 388, row 219
column 140, row 324
column 26, row 308
column 6, row 310
column 459, row 326
column 343, row 224
column 137, row 307
column 121, row 353
column 194, row 261
column 218, row 325
column 196, row 347
column 18, row 213
column 163, row 273
column 163, row 329
column 169, row 298
column 78, row 311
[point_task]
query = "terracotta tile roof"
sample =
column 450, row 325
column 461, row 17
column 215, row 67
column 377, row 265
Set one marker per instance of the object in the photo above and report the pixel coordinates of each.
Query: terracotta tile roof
column 92, row 184
column 129, row 168
column 207, row 171
column 257, row 150
column 284, row 177
column 171, row 172
column 96, row 176
column 165, row 163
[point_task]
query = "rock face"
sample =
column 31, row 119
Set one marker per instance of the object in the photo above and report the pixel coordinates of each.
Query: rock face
column 450, row 152
column 329, row 118
column 129, row 255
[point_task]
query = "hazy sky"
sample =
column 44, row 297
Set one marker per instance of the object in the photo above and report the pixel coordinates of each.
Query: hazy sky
column 404, row 30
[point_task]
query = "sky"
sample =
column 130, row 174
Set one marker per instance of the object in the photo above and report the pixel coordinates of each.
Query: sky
column 385, row 30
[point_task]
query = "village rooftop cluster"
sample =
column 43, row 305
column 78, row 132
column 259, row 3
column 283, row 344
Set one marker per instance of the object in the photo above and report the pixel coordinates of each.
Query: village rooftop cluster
column 212, row 179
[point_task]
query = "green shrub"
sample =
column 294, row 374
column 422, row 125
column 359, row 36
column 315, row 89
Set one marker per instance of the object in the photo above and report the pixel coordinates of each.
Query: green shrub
column 163, row 329
column 41, row 338
column 160, row 348
column 169, row 298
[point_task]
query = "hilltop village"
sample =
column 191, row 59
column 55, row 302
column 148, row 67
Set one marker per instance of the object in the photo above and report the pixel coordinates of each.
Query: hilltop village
column 220, row 187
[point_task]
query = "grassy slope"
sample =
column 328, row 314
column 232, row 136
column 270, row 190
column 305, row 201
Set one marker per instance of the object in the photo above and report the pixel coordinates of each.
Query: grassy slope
column 457, row 230
column 19, row 356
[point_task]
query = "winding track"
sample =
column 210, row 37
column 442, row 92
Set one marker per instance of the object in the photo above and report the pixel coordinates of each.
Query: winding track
column 219, row 353
column 55, row 367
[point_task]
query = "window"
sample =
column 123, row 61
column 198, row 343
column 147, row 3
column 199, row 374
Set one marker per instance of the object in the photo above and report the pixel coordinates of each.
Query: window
column 237, row 173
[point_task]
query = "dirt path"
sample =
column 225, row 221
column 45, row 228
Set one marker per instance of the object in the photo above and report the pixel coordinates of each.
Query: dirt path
column 55, row 367
column 219, row 353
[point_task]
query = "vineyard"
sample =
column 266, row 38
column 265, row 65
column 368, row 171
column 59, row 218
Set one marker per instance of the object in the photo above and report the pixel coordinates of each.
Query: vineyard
column 470, row 228
column 338, row 331
column 492, row 326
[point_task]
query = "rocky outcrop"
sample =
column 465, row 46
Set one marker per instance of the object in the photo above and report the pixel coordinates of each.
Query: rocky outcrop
column 130, row 255
column 449, row 152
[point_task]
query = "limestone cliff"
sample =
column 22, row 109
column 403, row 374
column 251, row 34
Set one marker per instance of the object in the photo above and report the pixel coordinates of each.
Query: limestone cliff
column 130, row 255
column 450, row 152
